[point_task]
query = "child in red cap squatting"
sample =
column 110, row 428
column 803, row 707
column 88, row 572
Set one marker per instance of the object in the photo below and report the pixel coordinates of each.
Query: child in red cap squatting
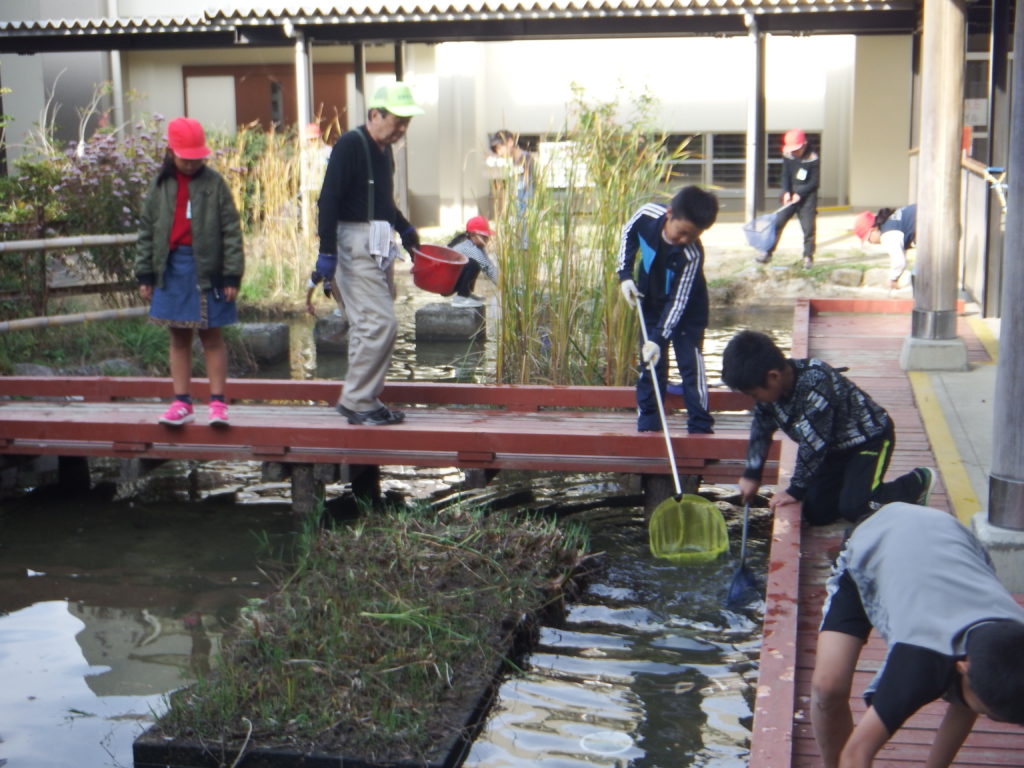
column 189, row 264
column 844, row 438
column 952, row 631
column 895, row 230
column 473, row 244
column 801, row 175
column 673, row 296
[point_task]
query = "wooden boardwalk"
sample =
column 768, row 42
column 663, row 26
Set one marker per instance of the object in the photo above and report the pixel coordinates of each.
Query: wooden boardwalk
column 572, row 429
column 838, row 332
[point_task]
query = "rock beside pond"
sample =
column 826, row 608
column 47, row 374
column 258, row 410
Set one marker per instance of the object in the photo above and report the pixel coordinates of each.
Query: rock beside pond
column 268, row 342
column 847, row 276
column 33, row 369
column 330, row 333
column 441, row 321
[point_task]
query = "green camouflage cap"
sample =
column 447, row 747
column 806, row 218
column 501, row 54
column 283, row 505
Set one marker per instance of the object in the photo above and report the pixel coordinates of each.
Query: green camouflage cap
column 396, row 99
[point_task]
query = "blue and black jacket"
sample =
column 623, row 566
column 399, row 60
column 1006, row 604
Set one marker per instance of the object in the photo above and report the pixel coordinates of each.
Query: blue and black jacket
column 670, row 277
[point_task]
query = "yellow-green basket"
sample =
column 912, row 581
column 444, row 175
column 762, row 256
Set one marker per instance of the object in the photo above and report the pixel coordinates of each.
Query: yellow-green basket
column 689, row 530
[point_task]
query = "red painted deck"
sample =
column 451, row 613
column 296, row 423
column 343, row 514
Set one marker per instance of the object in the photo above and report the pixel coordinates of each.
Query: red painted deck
column 836, row 331
column 572, row 429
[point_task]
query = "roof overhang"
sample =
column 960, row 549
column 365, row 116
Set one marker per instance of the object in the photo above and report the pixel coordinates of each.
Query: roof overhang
column 482, row 20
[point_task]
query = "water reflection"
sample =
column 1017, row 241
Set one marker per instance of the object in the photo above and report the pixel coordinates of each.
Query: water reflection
column 107, row 606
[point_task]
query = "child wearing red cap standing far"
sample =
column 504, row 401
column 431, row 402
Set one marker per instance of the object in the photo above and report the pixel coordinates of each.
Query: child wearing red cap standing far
column 801, row 175
column 189, row 265
column 473, row 244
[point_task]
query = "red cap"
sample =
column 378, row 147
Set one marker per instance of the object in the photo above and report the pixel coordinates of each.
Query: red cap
column 186, row 138
column 793, row 140
column 863, row 224
column 479, row 224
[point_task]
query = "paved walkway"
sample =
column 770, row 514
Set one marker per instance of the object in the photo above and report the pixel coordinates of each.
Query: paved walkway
column 943, row 420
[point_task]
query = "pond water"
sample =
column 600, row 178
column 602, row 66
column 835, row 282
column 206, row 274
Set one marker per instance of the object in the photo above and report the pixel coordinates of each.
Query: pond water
column 111, row 600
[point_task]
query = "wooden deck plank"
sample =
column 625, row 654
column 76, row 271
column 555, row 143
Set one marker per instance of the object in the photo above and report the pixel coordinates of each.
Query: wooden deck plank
column 488, row 427
column 870, row 345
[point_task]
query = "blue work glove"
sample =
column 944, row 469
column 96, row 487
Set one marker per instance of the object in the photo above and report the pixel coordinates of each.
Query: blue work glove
column 326, row 264
column 410, row 239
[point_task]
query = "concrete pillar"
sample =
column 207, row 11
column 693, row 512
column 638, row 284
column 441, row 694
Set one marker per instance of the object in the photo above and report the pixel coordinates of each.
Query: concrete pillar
column 1002, row 528
column 755, row 169
column 933, row 343
column 998, row 149
column 1007, row 484
column 307, row 490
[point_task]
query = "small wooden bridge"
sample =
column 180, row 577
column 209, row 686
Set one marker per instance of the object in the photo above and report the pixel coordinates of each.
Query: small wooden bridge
column 570, row 429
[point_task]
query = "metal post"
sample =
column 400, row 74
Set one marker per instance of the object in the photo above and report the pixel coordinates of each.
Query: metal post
column 933, row 344
column 303, row 116
column 401, row 180
column 116, row 77
column 1006, row 483
column 998, row 149
column 359, row 70
column 755, row 175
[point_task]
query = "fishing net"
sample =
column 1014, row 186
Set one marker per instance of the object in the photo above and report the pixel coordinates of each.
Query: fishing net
column 688, row 530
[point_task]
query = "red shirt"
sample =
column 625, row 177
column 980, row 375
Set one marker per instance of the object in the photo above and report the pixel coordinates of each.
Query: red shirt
column 181, row 229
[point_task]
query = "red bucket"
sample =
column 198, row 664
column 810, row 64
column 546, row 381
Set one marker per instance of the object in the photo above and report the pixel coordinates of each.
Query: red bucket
column 436, row 268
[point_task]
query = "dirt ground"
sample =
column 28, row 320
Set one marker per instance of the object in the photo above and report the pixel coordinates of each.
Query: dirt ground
column 842, row 266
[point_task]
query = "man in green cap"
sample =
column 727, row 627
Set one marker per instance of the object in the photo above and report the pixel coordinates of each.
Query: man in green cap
column 358, row 219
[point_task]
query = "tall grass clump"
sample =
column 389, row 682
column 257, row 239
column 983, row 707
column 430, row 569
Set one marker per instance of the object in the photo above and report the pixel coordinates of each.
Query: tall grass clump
column 562, row 318
column 381, row 638
column 262, row 170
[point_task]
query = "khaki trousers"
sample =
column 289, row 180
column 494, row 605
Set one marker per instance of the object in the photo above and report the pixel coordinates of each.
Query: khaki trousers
column 368, row 298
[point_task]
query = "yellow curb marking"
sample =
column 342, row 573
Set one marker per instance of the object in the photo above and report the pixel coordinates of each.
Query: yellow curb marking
column 988, row 339
column 954, row 476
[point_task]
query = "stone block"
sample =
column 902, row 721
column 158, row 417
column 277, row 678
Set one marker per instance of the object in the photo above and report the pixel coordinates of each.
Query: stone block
column 876, row 277
column 443, row 322
column 847, row 276
column 1005, row 547
column 268, row 342
column 330, row 333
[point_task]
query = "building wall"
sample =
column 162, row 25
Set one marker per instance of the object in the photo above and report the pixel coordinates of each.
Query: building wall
column 880, row 122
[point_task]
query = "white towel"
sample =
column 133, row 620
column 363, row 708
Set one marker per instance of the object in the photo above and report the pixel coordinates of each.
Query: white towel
column 382, row 244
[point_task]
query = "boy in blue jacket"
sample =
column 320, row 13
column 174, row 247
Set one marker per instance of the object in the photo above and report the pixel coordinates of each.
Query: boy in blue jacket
column 673, row 294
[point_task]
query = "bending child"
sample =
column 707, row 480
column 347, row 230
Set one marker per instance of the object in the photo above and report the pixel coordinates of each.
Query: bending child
column 895, row 230
column 845, row 439
column 673, row 294
column 952, row 631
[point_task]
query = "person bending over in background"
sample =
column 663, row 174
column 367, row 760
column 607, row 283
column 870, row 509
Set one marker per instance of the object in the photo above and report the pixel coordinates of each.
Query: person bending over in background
column 893, row 229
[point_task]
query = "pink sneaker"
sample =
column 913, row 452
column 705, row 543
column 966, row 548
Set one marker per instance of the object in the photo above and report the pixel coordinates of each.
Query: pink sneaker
column 218, row 413
column 177, row 414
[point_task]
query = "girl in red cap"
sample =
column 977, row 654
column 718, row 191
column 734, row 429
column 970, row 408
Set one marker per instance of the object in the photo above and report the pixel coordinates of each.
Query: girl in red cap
column 189, row 265
column 473, row 244
column 801, row 175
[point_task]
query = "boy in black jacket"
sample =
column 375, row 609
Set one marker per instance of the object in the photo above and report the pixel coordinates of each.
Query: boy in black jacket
column 673, row 297
column 801, row 175
column 845, row 439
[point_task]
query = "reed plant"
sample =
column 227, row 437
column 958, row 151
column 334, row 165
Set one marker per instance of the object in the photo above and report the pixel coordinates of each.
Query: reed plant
column 262, row 170
column 381, row 637
column 562, row 320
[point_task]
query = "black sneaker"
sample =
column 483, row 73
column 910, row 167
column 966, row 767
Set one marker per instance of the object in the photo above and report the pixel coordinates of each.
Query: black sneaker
column 378, row 417
column 927, row 478
column 763, row 258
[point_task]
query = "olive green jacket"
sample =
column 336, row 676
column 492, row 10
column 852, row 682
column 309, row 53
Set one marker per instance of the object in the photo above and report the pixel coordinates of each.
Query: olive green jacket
column 216, row 232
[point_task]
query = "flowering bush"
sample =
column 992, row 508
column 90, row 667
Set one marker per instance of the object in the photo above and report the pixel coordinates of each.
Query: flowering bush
column 96, row 187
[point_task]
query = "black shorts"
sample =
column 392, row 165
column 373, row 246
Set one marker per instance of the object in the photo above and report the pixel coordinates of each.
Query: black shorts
column 845, row 610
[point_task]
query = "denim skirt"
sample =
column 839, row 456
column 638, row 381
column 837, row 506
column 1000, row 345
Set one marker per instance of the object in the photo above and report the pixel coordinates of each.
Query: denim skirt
column 181, row 304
